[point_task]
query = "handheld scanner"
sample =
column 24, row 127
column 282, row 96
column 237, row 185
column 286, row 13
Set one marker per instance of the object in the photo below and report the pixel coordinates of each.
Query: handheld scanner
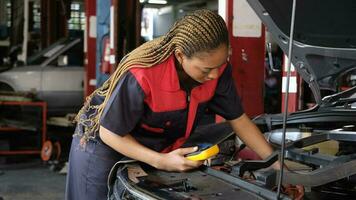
column 205, row 151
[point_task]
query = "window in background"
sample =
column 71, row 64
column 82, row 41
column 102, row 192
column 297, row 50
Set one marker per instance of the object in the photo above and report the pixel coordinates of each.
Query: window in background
column 8, row 11
column 77, row 16
column 36, row 11
column 147, row 23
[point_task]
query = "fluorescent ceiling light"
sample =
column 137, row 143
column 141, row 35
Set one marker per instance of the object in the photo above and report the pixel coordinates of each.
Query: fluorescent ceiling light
column 157, row 1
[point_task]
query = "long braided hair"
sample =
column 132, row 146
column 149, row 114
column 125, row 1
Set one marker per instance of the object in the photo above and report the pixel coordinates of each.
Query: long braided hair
column 199, row 31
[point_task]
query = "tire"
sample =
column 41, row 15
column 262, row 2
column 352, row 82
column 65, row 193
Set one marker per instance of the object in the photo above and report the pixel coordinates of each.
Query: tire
column 6, row 88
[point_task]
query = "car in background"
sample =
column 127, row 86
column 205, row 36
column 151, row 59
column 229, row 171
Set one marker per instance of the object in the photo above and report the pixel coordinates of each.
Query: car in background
column 54, row 75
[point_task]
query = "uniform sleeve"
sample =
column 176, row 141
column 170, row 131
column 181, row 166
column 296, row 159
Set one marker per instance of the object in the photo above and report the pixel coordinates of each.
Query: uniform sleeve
column 125, row 106
column 226, row 102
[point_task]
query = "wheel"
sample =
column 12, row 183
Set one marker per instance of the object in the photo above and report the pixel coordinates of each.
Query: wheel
column 46, row 152
column 51, row 151
column 6, row 88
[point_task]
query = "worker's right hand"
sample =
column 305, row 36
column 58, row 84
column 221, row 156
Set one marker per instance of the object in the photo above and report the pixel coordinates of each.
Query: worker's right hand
column 176, row 160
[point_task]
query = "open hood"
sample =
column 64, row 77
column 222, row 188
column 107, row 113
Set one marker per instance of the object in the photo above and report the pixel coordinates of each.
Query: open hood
column 324, row 44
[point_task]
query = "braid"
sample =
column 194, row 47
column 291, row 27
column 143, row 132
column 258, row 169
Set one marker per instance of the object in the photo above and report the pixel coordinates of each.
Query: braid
column 200, row 31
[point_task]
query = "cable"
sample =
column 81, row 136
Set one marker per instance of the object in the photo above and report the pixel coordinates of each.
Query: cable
column 285, row 113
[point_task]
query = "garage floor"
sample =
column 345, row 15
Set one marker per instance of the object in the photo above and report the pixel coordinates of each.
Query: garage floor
column 27, row 177
column 31, row 181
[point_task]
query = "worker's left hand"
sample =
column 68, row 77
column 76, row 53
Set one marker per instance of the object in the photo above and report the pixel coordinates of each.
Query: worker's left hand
column 295, row 192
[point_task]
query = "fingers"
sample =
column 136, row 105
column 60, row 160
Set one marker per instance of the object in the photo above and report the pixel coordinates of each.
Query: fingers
column 194, row 164
column 185, row 151
column 176, row 160
column 189, row 165
column 300, row 192
column 296, row 192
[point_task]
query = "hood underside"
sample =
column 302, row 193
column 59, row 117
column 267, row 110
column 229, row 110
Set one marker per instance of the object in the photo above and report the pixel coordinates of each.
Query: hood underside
column 324, row 46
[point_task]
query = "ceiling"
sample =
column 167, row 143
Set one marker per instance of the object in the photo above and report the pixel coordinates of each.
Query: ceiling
column 180, row 4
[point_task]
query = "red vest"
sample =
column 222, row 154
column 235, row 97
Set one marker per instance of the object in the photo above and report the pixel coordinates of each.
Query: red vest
column 162, row 90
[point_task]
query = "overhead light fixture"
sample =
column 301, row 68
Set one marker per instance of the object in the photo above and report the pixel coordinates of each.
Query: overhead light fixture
column 157, row 1
column 142, row 1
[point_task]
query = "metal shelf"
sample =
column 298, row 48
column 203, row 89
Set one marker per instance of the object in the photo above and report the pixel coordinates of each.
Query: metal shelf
column 43, row 106
column 3, row 129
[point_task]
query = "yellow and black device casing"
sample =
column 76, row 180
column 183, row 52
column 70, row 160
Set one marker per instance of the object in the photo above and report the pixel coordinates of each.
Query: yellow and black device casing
column 204, row 152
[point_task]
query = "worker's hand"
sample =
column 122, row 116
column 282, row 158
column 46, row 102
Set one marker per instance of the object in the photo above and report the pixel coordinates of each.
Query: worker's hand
column 176, row 160
column 295, row 192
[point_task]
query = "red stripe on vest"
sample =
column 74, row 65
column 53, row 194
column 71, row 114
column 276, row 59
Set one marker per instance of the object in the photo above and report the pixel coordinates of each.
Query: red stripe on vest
column 152, row 129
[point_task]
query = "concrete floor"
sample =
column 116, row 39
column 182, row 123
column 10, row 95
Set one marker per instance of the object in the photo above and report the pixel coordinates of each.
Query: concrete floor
column 31, row 182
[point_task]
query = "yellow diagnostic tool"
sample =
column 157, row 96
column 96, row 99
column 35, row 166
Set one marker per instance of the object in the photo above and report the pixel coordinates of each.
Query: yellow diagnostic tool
column 204, row 152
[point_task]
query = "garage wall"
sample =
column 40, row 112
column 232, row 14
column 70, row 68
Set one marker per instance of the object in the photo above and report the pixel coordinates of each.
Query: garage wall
column 163, row 21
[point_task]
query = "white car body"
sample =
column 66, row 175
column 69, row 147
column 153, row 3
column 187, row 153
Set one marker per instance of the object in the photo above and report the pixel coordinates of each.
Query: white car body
column 60, row 85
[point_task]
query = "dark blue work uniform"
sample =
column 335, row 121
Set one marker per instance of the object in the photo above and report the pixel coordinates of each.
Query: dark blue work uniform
column 149, row 104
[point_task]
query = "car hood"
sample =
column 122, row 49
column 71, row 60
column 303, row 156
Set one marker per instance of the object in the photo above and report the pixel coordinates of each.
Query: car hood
column 324, row 46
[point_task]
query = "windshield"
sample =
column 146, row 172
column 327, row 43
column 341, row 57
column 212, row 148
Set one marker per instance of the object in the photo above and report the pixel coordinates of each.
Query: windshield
column 41, row 56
